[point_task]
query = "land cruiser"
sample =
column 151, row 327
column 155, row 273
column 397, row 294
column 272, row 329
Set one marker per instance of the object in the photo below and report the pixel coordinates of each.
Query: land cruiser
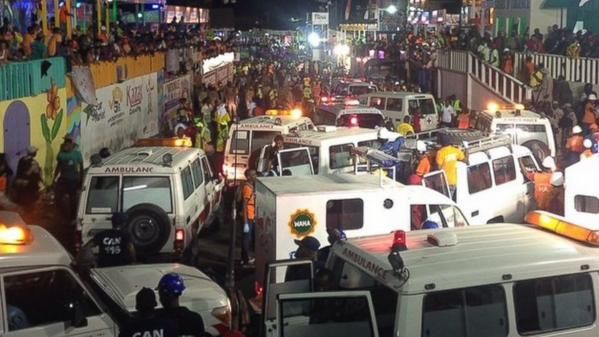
column 396, row 105
column 493, row 281
column 169, row 193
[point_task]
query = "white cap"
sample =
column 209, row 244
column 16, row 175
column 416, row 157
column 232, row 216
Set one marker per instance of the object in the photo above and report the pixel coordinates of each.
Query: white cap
column 388, row 135
column 420, row 146
column 592, row 97
column 549, row 163
column 576, row 129
column 557, row 179
column 587, row 143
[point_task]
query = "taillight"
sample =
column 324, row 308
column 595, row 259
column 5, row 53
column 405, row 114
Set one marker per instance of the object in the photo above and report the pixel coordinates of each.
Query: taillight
column 179, row 240
column 259, row 289
column 324, row 99
column 353, row 121
column 399, row 240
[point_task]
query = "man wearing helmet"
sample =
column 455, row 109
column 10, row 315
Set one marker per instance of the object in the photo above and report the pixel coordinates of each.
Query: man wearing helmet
column 188, row 323
column 543, row 186
column 574, row 146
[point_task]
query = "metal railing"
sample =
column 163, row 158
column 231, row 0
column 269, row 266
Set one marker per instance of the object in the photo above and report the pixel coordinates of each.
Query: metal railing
column 506, row 86
column 31, row 78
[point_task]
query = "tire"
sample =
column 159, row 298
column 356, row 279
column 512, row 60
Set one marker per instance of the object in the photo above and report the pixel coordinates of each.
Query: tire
column 458, row 136
column 539, row 149
column 148, row 227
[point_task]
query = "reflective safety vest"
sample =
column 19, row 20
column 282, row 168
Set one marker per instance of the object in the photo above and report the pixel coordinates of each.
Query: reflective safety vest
column 543, row 190
column 308, row 93
column 457, row 106
column 203, row 136
column 221, row 137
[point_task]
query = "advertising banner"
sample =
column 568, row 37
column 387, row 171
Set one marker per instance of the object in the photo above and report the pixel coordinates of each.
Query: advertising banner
column 320, row 18
column 172, row 92
column 124, row 113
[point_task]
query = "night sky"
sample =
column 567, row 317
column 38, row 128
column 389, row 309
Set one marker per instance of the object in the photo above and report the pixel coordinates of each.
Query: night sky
column 274, row 13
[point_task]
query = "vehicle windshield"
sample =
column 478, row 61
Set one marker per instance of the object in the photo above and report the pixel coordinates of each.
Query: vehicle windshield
column 295, row 163
column 369, row 121
column 346, row 89
column 240, row 142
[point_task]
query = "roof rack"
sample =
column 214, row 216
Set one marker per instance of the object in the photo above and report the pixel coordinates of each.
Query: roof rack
column 375, row 159
column 426, row 135
column 487, row 143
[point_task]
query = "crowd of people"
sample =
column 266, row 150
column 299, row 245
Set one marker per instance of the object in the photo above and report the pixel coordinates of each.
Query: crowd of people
column 108, row 44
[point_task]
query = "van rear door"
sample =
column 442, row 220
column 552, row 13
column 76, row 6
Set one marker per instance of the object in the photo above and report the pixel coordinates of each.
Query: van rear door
column 437, row 180
column 326, row 314
column 295, row 162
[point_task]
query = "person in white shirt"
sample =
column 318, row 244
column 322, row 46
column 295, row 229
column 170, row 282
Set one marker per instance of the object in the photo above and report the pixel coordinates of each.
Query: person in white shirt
column 448, row 114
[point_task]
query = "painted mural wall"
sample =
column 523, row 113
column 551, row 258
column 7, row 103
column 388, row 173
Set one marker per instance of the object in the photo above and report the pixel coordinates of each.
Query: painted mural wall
column 124, row 113
column 38, row 121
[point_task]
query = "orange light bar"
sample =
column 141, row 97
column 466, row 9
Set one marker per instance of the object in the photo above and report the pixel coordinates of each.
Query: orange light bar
column 14, row 235
column 168, row 142
column 561, row 226
column 294, row 113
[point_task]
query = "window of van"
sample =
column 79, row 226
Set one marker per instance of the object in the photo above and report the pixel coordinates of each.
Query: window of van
column 377, row 102
column 314, row 153
column 468, row 312
column 340, row 156
column 151, row 190
column 504, row 170
column 187, row 182
column 394, row 104
column 345, row 214
column 586, row 204
column 479, row 178
column 427, row 106
column 357, row 90
column 240, row 143
column 103, row 196
column 554, row 303
column 262, row 138
column 196, row 170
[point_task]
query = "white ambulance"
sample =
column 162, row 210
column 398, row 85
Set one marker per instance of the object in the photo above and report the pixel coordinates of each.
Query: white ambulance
column 253, row 134
column 42, row 295
column 169, row 194
column 397, row 105
column 349, row 116
column 503, row 280
column 329, row 148
column 290, row 208
column 581, row 197
column 526, row 128
column 492, row 182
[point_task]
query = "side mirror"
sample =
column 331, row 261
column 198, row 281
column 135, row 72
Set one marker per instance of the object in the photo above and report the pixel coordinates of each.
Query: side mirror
column 76, row 319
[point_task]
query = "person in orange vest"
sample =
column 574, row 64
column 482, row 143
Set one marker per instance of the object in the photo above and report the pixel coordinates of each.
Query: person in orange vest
column 424, row 165
column 556, row 197
column 590, row 116
column 574, row 146
column 447, row 159
column 464, row 119
column 588, row 152
column 542, row 181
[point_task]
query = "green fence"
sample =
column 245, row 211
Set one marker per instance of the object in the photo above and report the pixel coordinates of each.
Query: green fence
column 31, row 78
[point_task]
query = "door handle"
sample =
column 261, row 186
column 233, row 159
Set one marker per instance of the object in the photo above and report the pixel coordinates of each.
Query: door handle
column 475, row 213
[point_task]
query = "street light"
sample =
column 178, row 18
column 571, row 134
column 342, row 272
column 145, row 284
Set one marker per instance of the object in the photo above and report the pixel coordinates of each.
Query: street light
column 341, row 50
column 392, row 9
column 314, row 39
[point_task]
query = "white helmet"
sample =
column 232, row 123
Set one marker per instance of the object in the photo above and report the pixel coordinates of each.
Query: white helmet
column 420, row 146
column 587, row 143
column 592, row 97
column 576, row 129
column 549, row 163
column 557, row 179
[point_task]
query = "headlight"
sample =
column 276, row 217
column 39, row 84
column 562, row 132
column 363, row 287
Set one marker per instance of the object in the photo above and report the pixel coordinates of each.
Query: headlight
column 223, row 314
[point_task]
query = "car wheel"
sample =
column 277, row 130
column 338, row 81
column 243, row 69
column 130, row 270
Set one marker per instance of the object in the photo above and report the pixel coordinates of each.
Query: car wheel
column 539, row 149
column 148, row 228
column 458, row 136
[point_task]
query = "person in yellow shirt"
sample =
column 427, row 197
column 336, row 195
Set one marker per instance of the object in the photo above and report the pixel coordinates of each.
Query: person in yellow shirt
column 53, row 43
column 405, row 128
column 447, row 159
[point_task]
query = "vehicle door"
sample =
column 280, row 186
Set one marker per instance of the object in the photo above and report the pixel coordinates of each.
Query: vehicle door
column 528, row 166
column 507, row 188
column 194, row 203
column 299, row 274
column 475, row 197
column 213, row 185
column 430, row 117
column 394, row 110
column 99, row 200
column 237, row 153
column 202, row 203
column 51, row 302
column 326, row 314
column 295, row 162
column 437, row 180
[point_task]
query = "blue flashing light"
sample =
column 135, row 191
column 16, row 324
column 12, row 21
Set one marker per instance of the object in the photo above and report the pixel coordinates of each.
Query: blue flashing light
column 154, row 6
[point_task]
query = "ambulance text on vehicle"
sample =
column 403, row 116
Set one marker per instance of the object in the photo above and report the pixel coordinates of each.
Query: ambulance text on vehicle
column 252, row 134
column 500, row 280
column 169, row 194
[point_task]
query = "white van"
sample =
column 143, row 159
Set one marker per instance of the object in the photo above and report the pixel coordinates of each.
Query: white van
column 169, row 193
column 329, row 147
column 290, row 208
column 492, row 281
column 349, row 116
column 348, row 89
column 397, row 105
column 581, row 197
column 253, row 134
column 44, row 296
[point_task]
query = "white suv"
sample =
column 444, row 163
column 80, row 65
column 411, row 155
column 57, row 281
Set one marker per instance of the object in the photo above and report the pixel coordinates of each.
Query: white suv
column 169, row 193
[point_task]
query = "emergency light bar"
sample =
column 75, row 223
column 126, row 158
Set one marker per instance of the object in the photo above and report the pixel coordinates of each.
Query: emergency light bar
column 167, row 142
column 14, row 235
column 494, row 107
column 294, row 113
column 561, row 226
